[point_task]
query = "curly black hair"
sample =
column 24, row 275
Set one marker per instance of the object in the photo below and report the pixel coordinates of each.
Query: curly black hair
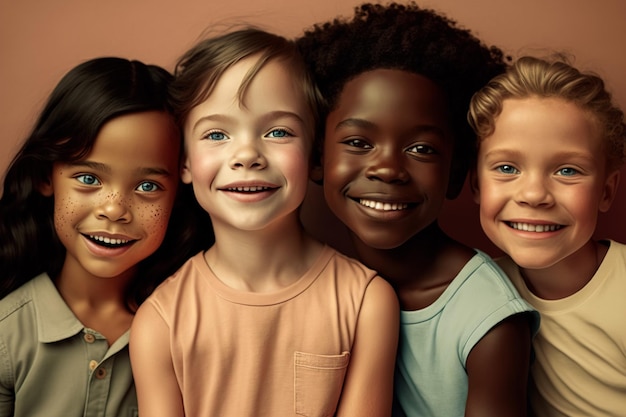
column 409, row 38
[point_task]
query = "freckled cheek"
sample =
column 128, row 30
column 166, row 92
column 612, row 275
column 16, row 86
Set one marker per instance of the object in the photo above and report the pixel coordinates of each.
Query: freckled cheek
column 154, row 218
column 67, row 213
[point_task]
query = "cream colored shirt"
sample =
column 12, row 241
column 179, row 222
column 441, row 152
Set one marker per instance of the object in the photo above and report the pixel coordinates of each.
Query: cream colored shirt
column 52, row 366
column 580, row 367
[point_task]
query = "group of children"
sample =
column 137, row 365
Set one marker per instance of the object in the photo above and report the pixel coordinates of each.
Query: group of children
column 173, row 203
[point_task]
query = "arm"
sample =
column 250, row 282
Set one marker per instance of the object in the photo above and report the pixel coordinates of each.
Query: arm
column 368, row 387
column 158, row 392
column 7, row 389
column 497, row 369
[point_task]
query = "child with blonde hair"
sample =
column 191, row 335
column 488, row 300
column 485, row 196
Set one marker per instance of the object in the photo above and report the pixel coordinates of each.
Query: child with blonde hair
column 550, row 149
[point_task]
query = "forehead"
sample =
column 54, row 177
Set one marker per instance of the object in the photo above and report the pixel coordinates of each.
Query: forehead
column 532, row 115
column 273, row 87
column 145, row 138
column 392, row 98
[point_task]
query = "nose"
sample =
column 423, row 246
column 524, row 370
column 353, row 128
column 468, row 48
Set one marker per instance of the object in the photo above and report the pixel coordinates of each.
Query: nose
column 114, row 207
column 534, row 190
column 387, row 166
column 248, row 154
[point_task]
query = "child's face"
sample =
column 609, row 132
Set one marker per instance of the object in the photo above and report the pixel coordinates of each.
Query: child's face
column 542, row 179
column 249, row 162
column 387, row 156
column 111, row 209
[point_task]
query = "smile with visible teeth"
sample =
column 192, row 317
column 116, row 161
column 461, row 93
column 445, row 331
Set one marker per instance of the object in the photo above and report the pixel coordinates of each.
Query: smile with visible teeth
column 378, row 205
column 251, row 189
column 538, row 228
column 103, row 240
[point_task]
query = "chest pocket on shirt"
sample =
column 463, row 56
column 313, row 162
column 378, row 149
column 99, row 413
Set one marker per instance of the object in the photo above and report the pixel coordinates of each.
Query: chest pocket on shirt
column 318, row 383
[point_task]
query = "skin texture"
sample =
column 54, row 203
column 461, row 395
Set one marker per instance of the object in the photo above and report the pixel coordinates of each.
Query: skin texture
column 122, row 191
column 388, row 142
column 541, row 181
column 232, row 149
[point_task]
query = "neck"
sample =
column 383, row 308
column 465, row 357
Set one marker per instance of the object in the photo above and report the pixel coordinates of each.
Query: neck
column 567, row 276
column 405, row 264
column 263, row 260
column 419, row 269
column 78, row 287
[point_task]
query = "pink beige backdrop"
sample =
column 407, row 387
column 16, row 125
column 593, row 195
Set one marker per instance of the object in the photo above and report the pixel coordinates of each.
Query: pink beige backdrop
column 42, row 39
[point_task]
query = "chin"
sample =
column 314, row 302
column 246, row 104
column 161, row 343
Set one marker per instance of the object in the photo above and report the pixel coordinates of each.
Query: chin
column 382, row 242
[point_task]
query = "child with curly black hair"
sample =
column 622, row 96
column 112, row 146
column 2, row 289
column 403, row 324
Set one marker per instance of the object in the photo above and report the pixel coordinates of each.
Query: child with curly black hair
column 397, row 80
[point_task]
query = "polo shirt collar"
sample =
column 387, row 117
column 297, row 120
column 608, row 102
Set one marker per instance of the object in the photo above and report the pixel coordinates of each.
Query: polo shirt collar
column 55, row 320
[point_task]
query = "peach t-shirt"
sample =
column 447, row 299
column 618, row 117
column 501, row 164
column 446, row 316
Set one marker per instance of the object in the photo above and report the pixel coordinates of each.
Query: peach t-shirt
column 263, row 354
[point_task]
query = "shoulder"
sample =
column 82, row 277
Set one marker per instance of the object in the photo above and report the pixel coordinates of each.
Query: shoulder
column 489, row 275
column 189, row 271
column 19, row 298
column 347, row 265
column 486, row 298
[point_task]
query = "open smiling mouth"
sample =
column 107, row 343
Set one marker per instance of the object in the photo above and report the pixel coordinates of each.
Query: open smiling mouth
column 252, row 189
column 537, row 228
column 383, row 206
column 109, row 242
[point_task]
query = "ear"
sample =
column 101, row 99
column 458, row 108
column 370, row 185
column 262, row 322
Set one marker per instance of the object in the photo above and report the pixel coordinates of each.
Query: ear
column 473, row 183
column 610, row 189
column 185, row 172
column 45, row 188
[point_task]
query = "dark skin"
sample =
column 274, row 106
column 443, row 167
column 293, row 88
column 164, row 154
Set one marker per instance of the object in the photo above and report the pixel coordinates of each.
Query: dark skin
column 387, row 160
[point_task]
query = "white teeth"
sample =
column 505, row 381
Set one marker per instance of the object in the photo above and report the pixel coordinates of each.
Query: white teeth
column 377, row 205
column 108, row 240
column 538, row 228
column 252, row 189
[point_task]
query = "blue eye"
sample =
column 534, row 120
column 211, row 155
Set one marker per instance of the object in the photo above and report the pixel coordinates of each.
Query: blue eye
column 278, row 133
column 507, row 169
column 148, row 187
column 567, row 172
column 215, row 135
column 88, row 179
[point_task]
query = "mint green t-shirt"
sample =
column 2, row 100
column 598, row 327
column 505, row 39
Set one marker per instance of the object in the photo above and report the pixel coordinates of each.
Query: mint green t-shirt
column 435, row 341
column 51, row 365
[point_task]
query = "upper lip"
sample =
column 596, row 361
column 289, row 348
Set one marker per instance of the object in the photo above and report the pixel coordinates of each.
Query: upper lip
column 534, row 221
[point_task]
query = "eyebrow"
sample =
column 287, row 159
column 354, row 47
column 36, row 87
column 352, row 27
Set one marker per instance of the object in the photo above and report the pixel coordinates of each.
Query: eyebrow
column 366, row 124
column 98, row 166
column 276, row 114
column 510, row 153
column 355, row 122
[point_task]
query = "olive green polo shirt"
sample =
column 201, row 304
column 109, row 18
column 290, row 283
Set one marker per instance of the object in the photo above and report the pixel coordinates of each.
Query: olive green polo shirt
column 51, row 365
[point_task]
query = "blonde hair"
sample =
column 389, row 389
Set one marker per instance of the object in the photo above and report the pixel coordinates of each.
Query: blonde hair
column 535, row 77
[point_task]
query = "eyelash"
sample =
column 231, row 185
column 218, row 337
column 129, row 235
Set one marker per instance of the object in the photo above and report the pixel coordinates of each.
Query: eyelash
column 422, row 149
column 508, row 168
column 81, row 178
column 286, row 133
column 358, row 143
column 208, row 135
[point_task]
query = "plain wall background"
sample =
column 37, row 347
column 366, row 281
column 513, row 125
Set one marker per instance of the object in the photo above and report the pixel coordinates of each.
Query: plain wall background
column 40, row 40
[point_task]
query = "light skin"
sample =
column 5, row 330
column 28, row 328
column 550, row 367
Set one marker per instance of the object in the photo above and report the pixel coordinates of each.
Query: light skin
column 387, row 158
column 541, row 181
column 111, row 211
column 249, row 166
